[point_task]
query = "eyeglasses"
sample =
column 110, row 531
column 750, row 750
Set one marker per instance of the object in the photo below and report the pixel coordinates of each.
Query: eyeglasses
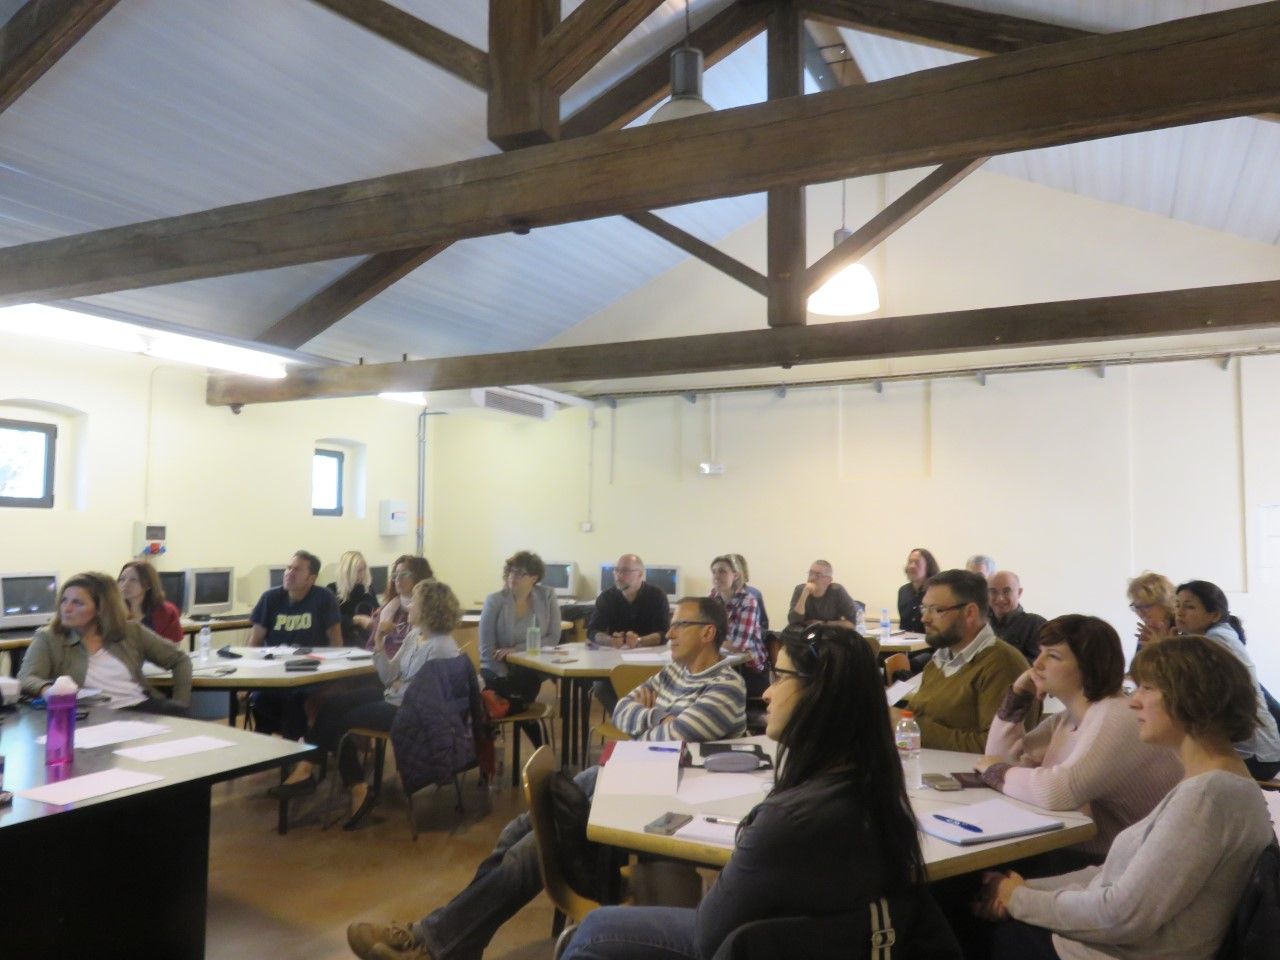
column 932, row 609
column 777, row 674
column 402, row 575
column 820, row 575
column 1141, row 607
column 517, row 572
column 628, row 569
column 681, row 624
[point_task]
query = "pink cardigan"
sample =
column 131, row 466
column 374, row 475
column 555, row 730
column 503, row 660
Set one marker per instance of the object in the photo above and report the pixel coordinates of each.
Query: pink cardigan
column 1099, row 766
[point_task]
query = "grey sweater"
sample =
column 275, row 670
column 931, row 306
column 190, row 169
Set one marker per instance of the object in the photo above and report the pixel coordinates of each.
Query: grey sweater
column 1169, row 885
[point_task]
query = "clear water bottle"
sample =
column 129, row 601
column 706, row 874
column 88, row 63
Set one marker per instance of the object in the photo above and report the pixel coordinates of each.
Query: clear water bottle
column 907, row 736
column 860, row 620
column 204, row 645
column 533, row 637
column 886, row 627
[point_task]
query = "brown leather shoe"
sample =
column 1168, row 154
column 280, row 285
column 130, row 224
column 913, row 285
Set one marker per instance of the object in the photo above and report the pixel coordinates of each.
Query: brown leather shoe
column 365, row 938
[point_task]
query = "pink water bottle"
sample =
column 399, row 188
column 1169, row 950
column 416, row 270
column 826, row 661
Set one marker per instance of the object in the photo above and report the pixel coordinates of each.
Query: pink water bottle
column 60, row 740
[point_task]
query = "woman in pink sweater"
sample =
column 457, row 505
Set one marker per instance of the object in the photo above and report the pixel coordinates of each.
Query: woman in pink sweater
column 1087, row 757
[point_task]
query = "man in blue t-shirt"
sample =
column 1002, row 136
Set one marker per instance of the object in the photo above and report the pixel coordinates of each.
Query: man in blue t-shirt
column 297, row 614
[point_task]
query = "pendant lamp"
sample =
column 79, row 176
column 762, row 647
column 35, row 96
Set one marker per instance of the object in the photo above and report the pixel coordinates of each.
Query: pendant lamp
column 686, row 82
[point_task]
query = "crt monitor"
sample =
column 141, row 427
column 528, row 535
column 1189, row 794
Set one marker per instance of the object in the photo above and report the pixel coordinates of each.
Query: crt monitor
column 275, row 576
column 174, row 585
column 209, row 590
column 27, row 599
column 378, row 580
column 561, row 577
column 665, row 577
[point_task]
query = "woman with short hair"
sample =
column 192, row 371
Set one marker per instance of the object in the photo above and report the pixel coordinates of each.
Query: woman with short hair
column 144, row 598
column 1087, row 757
column 92, row 640
column 1171, row 882
column 1151, row 598
column 746, row 636
column 835, row 830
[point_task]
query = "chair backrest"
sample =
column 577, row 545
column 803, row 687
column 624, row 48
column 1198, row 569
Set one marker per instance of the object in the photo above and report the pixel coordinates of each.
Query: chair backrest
column 894, row 664
column 1254, row 930
column 537, row 794
column 625, row 677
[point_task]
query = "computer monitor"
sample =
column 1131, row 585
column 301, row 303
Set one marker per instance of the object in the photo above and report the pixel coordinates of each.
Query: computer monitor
column 378, row 580
column 666, row 578
column 561, row 577
column 174, row 584
column 27, row 599
column 275, row 576
column 208, row 590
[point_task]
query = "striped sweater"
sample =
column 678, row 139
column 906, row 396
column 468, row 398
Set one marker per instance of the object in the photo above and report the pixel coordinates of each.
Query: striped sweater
column 710, row 705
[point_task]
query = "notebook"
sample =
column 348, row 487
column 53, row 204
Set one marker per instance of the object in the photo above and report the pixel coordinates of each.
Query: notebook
column 983, row 822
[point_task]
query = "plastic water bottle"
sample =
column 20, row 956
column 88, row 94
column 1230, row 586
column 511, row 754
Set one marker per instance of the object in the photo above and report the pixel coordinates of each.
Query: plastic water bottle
column 886, row 628
column 533, row 637
column 60, row 731
column 907, row 736
column 204, row 647
column 860, row 620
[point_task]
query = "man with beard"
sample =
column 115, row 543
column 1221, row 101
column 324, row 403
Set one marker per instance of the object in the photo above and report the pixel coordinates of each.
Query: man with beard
column 971, row 668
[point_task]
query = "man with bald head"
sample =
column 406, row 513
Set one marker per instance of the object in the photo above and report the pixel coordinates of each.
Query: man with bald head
column 1010, row 622
column 629, row 614
column 821, row 600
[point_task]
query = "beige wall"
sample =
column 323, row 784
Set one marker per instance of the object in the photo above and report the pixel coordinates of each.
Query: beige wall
column 138, row 442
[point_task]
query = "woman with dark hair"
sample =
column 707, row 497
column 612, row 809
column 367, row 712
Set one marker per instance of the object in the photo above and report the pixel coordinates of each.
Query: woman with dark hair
column 392, row 623
column 144, row 597
column 1171, row 882
column 1088, row 756
column 92, row 641
column 835, row 831
column 919, row 568
column 1200, row 607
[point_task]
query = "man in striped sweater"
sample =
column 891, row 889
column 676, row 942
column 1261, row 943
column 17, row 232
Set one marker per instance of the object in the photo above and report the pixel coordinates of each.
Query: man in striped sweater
column 699, row 697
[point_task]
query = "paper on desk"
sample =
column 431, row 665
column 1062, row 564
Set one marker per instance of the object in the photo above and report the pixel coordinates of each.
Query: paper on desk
column 87, row 786
column 640, row 767
column 995, row 819
column 114, row 731
column 702, row 830
column 173, row 748
column 342, row 654
column 721, row 786
column 645, row 656
column 903, row 689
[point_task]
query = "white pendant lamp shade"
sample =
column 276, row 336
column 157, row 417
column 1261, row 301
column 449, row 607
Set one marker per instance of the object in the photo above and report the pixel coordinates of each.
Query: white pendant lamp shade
column 849, row 293
column 686, row 87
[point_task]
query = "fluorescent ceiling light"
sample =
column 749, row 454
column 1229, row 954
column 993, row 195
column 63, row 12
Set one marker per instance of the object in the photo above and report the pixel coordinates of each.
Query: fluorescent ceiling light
column 417, row 398
column 55, row 323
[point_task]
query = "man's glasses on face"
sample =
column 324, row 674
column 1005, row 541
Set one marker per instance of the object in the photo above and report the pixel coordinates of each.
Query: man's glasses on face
column 819, row 575
column 681, row 624
column 933, row 609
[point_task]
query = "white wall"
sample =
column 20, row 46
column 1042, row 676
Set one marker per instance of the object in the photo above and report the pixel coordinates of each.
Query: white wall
column 234, row 490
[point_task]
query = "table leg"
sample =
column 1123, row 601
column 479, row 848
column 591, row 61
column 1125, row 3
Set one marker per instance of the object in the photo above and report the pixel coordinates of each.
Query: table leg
column 566, row 720
column 584, row 693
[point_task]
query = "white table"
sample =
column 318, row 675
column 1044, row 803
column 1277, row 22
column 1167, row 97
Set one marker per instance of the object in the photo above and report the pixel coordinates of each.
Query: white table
column 619, row 820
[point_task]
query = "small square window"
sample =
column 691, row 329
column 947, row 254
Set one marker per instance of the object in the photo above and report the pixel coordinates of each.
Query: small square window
column 26, row 463
column 326, row 483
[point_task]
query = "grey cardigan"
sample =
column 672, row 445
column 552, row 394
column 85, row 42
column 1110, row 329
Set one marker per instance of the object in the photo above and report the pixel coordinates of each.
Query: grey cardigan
column 53, row 654
column 498, row 620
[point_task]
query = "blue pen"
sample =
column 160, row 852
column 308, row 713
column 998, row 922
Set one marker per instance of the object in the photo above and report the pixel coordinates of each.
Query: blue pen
column 665, row 749
column 958, row 823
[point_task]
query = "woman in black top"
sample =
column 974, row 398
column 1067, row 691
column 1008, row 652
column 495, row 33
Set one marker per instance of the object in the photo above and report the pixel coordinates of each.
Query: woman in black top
column 835, row 831
column 920, row 567
column 356, row 600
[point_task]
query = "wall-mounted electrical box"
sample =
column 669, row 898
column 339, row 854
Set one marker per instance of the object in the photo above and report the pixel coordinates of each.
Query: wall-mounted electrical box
column 149, row 539
column 393, row 518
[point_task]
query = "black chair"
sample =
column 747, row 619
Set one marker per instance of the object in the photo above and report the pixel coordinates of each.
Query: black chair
column 1254, row 932
column 884, row 928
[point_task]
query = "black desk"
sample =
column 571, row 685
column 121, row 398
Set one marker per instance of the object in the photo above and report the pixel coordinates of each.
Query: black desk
column 124, row 875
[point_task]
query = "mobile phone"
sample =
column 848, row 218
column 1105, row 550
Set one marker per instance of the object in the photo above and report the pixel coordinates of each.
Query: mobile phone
column 941, row 781
column 228, row 653
column 667, row 824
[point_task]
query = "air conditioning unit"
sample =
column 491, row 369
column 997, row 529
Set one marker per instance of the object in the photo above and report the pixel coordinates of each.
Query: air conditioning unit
column 514, row 402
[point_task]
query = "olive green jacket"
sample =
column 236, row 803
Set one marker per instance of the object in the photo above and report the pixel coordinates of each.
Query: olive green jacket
column 53, row 654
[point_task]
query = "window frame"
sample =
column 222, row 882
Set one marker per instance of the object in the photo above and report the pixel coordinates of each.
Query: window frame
column 50, row 431
column 341, row 457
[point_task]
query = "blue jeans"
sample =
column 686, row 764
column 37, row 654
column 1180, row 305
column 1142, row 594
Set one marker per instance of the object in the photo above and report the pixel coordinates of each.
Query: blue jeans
column 508, row 879
column 635, row 933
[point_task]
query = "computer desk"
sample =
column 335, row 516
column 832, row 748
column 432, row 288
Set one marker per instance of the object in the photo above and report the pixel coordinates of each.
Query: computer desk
column 619, row 820
column 124, row 875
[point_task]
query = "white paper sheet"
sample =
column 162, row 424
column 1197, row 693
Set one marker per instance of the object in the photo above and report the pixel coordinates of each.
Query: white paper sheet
column 90, row 785
column 721, row 786
column 903, row 689
column 639, row 767
column 114, row 731
column 343, row 654
column 995, row 819
column 645, row 656
column 173, row 748
column 702, row 830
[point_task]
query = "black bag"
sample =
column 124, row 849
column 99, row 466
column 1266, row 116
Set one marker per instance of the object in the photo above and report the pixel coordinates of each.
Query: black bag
column 586, row 864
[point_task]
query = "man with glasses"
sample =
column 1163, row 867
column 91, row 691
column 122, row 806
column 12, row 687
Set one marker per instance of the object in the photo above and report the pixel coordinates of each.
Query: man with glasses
column 697, row 697
column 820, row 600
column 1010, row 622
column 629, row 614
column 971, row 668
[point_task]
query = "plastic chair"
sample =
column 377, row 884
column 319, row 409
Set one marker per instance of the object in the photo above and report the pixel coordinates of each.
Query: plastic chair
column 624, row 678
column 894, row 664
column 538, row 712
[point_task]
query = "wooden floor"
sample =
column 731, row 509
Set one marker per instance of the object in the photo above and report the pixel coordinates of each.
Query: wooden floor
column 291, row 897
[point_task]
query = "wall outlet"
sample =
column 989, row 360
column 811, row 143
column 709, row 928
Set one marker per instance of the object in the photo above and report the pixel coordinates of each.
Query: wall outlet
column 586, row 526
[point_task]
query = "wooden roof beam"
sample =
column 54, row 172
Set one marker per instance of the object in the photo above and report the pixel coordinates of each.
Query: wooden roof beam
column 702, row 250
column 1203, row 68
column 467, row 63
column 581, row 40
column 785, row 230
column 1200, row 310
column 37, row 36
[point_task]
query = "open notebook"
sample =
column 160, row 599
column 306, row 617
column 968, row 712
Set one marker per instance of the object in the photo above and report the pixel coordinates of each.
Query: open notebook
column 983, row 822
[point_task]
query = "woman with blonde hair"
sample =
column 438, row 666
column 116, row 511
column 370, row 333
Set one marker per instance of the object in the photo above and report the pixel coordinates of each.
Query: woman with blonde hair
column 356, row 601
column 745, row 635
column 1151, row 598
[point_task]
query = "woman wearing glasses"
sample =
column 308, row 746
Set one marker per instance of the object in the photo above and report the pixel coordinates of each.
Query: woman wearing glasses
column 835, row 831
column 508, row 614
column 1151, row 598
column 746, row 634
column 392, row 624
